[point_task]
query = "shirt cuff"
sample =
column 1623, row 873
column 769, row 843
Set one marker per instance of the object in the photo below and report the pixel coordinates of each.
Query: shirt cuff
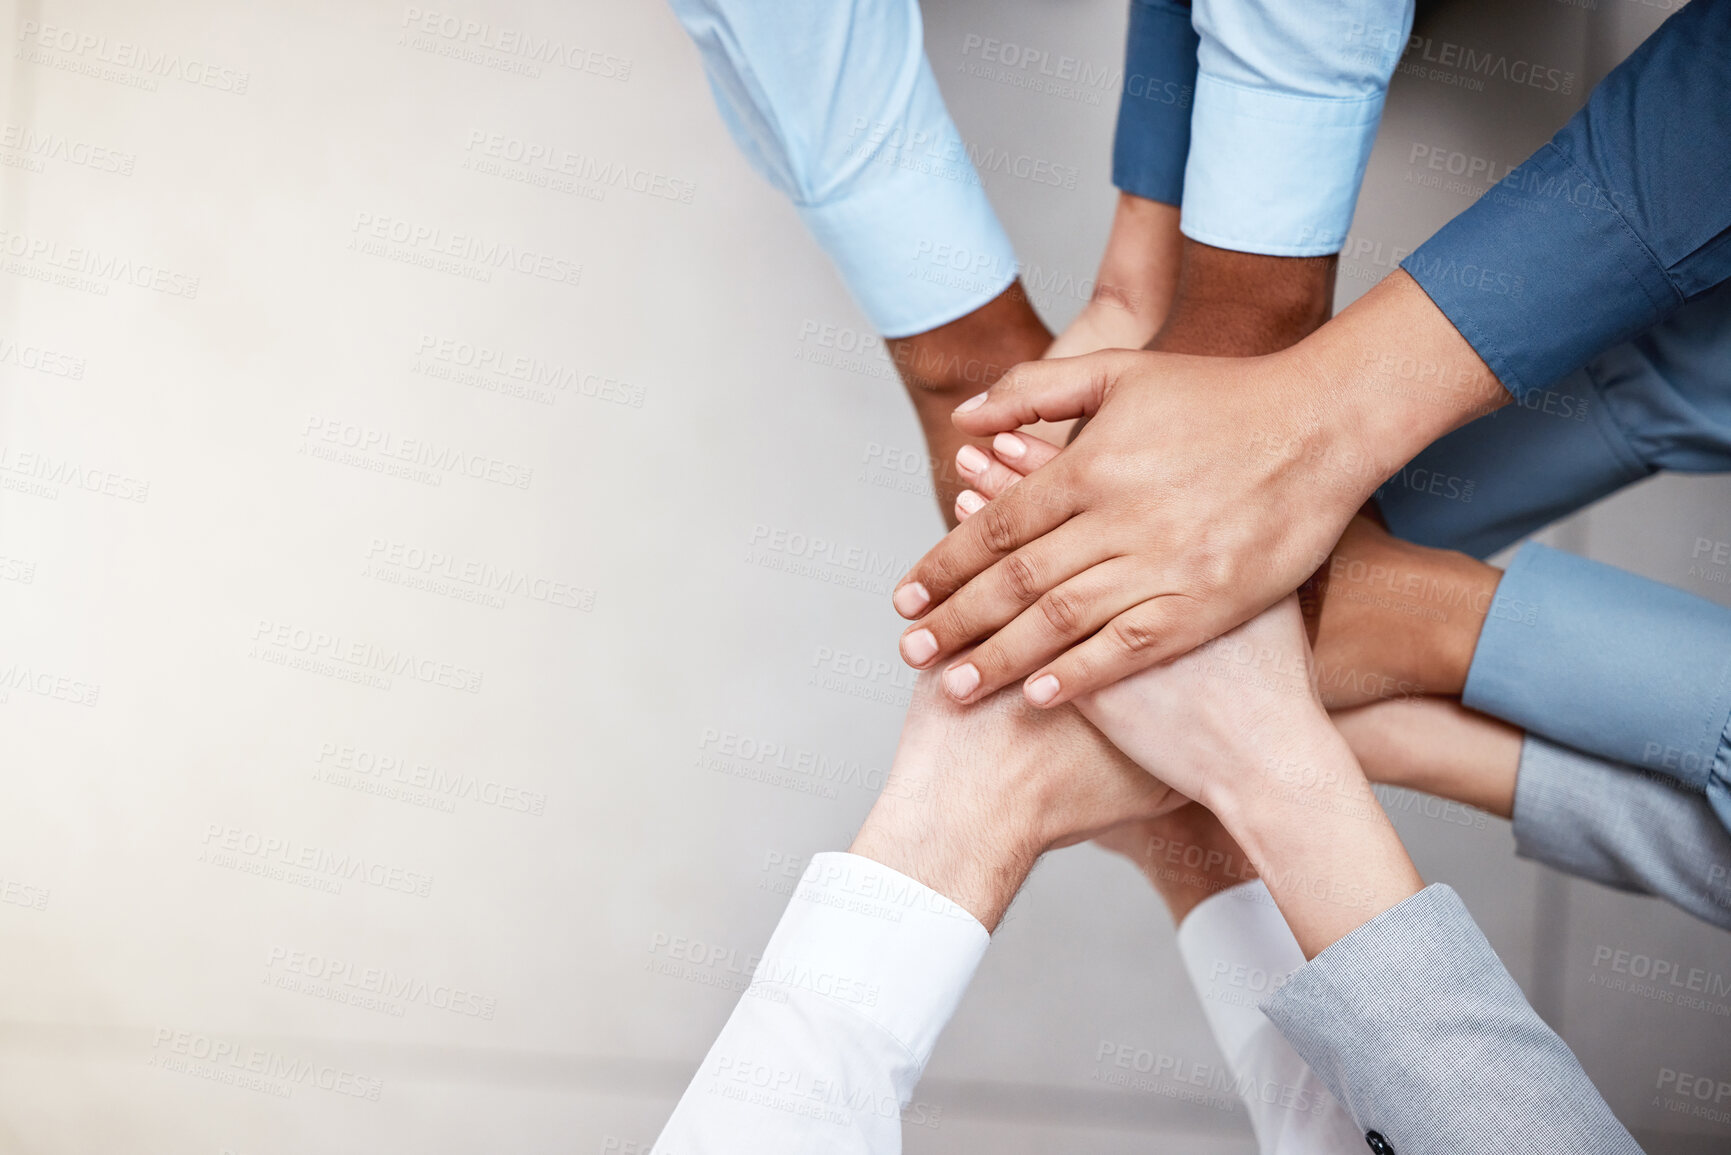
column 1622, row 827
column 1274, row 173
column 889, row 948
column 1541, row 273
column 1603, row 661
column 914, row 234
column 1415, row 1024
column 1152, row 142
column 1238, row 949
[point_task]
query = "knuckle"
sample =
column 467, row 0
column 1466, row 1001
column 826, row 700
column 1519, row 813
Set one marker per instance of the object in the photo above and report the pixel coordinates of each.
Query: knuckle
column 1064, row 612
column 1021, row 578
column 950, row 626
column 998, row 528
column 1135, row 636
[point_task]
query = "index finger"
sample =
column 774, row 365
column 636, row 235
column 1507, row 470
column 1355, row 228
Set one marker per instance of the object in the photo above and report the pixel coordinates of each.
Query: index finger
column 1032, row 508
column 1033, row 391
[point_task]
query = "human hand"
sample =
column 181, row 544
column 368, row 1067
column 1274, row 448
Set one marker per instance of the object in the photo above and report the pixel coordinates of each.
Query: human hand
column 976, row 795
column 1237, row 724
column 1387, row 618
column 1134, row 287
column 1201, row 491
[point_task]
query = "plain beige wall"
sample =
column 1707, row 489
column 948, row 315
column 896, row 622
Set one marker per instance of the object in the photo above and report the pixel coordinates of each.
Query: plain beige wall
column 225, row 504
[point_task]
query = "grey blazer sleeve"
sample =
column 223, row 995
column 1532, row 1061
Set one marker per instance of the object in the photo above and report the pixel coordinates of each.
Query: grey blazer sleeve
column 1624, row 827
column 1419, row 1031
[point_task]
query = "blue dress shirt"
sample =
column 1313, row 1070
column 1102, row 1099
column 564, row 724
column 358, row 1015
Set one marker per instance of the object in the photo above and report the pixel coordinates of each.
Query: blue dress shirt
column 1608, row 229
column 1287, row 99
column 1573, row 650
column 836, row 105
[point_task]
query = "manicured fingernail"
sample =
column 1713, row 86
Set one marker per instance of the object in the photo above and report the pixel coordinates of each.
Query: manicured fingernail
column 962, row 680
column 1042, row 689
column 919, row 647
column 971, row 460
column 970, row 501
column 910, row 599
column 971, row 403
column 1009, row 445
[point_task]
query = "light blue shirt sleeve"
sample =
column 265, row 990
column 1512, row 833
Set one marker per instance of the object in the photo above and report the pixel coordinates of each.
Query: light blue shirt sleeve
column 1598, row 659
column 836, row 105
column 1288, row 99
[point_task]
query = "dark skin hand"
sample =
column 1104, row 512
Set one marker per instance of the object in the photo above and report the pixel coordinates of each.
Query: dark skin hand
column 941, row 367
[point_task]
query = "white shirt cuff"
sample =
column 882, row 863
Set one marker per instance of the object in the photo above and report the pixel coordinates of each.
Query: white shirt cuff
column 1238, row 950
column 893, row 950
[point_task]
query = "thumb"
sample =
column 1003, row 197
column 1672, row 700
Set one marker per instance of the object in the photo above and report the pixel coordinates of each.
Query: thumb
column 1042, row 391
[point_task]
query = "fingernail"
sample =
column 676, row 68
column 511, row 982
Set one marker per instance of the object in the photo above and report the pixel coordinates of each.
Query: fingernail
column 970, row 501
column 962, row 680
column 1042, row 689
column 971, row 460
column 1009, row 445
column 910, row 599
column 919, row 647
column 971, row 403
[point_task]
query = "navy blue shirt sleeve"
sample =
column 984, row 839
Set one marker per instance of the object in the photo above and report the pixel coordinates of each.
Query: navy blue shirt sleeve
column 1153, row 136
column 1609, row 228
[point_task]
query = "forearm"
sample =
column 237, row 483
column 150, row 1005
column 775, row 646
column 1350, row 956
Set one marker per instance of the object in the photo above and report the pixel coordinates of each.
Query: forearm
column 978, row 862
column 1436, row 747
column 1236, row 304
column 1389, row 375
column 1318, row 838
column 944, row 366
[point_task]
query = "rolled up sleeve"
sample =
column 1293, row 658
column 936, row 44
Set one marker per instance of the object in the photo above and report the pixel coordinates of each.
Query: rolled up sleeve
column 1611, row 226
column 1152, row 143
column 836, row 105
column 1616, row 665
column 1288, row 99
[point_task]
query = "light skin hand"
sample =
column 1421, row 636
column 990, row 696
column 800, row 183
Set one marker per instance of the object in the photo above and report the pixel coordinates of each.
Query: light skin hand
column 1135, row 285
column 1201, row 491
column 1387, row 619
column 976, row 795
column 1439, row 747
column 1238, row 726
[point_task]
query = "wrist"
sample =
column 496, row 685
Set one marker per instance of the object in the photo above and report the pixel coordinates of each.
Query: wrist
column 1234, row 304
column 1304, row 767
column 977, row 857
column 1321, row 842
column 1447, row 644
column 946, row 365
column 1399, row 374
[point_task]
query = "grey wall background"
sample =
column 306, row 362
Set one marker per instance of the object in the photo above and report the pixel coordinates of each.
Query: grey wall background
column 274, row 735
